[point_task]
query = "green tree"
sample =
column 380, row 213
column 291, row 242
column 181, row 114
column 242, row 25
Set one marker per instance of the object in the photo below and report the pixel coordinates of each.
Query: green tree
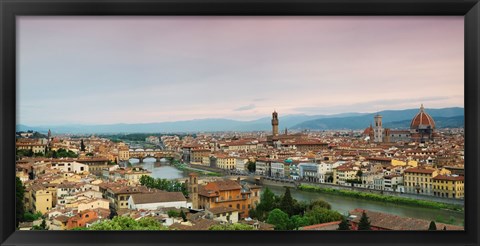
column 31, row 217
column 344, row 225
column 364, row 224
column 319, row 215
column 298, row 221
column 173, row 214
column 319, row 203
column 42, row 227
column 19, row 201
column 287, row 203
column 279, row 219
column 121, row 223
column 267, row 204
column 183, row 215
column 231, row 227
column 82, row 146
column 251, row 166
column 359, row 174
column 300, row 207
column 432, row 226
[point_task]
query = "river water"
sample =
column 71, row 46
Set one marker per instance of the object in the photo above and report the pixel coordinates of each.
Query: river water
column 160, row 169
column 341, row 204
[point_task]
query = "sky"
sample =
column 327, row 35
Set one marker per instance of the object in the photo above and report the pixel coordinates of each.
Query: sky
column 104, row 70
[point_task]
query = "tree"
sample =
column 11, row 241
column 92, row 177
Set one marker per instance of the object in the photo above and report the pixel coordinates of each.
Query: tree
column 279, row 219
column 344, row 225
column 29, row 217
column 19, row 201
column 121, row 223
column 330, row 179
column 298, row 221
column 232, row 227
column 183, row 215
column 82, row 146
column 173, row 213
column 319, row 203
column 359, row 173
column 364, row 224
column 267, row 204
column 319, row 215
column 251, row 166
column 42, row 227
column 287, row 202
column 432, row 226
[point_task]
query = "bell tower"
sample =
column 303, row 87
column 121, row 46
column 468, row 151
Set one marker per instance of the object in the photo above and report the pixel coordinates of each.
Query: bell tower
column 378, row 129
column 275, row 123
column 193, row 189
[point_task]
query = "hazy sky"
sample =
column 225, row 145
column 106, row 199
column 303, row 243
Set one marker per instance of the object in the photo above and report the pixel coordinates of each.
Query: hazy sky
column 99, row 70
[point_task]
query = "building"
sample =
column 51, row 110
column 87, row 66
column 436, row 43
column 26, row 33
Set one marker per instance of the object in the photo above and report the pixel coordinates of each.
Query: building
column 277, row 169
column 197, row 155
column 378, row 129
column 86, row 218
column 450, row 186
column 422, row 129
column 223, row 214
column 73, row 166
column 153, row 201
column 420, row 180
column 309, row 172
column 226, row 162
column 384, row 221
column 422, row 126
column 193, row 189
column 262, row 167
column 40, row 199
column 274, row 124
column 229, row 193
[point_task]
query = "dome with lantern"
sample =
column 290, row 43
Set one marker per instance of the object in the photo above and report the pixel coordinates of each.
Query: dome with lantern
column 422, row 120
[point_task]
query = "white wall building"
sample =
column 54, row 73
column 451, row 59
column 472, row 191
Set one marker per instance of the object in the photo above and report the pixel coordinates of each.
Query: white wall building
column 153, row 201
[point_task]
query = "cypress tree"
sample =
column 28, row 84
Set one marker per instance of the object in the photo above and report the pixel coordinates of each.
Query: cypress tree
column 364, row 224
column 432, row 226
column 344, row 226
column 183, row 215
column 19, row 198
column 82, row 146
column 287, row 204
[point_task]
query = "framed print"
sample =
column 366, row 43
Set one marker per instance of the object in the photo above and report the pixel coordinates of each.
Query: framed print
column 240, row 122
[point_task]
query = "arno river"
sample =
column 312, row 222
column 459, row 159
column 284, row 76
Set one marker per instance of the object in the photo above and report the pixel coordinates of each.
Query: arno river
column 341, row 204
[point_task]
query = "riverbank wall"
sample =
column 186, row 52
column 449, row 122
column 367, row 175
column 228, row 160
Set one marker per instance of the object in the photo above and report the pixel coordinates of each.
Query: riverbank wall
column 459, row 202
column 277, row 183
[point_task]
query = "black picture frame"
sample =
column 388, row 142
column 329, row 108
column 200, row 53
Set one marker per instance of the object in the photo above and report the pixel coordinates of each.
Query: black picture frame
column 470, row 9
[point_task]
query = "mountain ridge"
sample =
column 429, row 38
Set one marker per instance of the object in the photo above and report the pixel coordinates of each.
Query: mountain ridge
column 351, row 120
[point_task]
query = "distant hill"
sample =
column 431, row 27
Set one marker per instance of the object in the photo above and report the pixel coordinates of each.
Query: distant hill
column 448, row 117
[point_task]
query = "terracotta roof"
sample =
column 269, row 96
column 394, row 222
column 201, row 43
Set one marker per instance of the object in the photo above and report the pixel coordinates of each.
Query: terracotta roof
column 419, row 170
column 201, row 224
column 220, row 210
column 449, row 178
column 395, row 222
column 322, row 227
column 158, row 197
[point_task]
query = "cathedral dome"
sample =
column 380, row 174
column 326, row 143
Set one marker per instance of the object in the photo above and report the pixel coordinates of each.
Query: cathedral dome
column 422, row 120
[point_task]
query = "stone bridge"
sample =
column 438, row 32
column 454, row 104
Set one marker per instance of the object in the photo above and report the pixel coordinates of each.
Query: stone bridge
column 158, row 154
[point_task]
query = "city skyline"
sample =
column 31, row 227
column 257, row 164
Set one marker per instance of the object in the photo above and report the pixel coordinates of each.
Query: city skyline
column 301, row 65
